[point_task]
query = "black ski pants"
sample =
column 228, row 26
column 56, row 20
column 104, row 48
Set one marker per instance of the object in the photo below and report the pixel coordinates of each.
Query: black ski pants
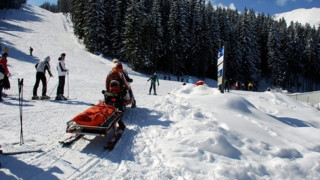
column 153, row 85
column 40, row 76
column 1, row 88
column 60, row 90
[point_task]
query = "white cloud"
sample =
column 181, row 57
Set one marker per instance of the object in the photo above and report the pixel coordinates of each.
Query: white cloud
column 281, row 2
column 232, row 6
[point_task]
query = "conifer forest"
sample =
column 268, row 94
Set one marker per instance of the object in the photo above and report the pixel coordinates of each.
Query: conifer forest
column 184, row 36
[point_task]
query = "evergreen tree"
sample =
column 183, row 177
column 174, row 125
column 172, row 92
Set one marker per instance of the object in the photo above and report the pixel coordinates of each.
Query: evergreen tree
column 274, row 55
column 132, row 34
column 213, row 41
column 77, row 10
column 64, row 6
column 156, row 44
column 250, row 55
column 178, row 33
column 94, row 27
column 117, row 24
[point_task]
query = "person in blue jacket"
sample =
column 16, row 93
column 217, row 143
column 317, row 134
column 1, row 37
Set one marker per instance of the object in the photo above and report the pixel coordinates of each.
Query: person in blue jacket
column 154, row 78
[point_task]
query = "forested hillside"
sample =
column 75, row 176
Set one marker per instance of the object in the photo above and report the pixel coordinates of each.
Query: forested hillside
column 183, row 37
column 7, row 4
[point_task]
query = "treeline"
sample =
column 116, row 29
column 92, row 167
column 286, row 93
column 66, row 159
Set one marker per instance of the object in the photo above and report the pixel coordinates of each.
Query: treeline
column 183, row 37
column 11, row 4
column 61, row 6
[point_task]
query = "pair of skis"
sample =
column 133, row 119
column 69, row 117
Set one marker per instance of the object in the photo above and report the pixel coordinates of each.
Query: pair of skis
column 72, row 139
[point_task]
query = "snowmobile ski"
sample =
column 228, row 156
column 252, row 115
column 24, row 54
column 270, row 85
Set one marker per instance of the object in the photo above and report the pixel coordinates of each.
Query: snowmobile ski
column 68, row 141
column 110, row 145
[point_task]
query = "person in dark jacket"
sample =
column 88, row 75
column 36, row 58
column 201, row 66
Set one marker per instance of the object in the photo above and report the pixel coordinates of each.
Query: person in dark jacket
column 154, row 78
column 42, row 67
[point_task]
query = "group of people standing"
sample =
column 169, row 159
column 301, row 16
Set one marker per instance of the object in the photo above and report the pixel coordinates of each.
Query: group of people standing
column 42, row 67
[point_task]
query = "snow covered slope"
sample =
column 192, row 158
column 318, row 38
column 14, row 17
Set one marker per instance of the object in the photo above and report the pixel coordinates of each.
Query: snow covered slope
column 302, row 15
column 186, row 132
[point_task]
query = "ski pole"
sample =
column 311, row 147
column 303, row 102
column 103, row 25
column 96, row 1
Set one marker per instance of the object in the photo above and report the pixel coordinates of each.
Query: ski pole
column 54, row 88
column 68, row 84
column 20, row 85
column 48, row 80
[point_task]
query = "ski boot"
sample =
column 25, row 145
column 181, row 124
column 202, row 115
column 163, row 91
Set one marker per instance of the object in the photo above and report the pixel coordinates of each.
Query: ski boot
column 45, row 97
column 35, row 97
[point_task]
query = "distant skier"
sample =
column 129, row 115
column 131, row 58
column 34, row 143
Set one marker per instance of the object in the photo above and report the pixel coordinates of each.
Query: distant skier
column 62, row 72
column 190, row 81
column 41, row 67
column 154, row 79
column 6, row 50
column 31, row 50
column 226, row 85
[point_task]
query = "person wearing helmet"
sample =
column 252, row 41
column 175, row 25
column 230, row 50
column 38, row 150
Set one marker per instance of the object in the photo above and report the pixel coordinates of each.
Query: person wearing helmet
column 116, row 74
column 41, row 67
column 154, row 79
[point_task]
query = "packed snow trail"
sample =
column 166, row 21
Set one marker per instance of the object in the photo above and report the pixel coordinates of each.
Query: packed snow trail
column 185, row 132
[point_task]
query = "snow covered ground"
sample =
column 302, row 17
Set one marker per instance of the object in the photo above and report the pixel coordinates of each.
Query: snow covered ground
column 186, row 132
column 302, row 15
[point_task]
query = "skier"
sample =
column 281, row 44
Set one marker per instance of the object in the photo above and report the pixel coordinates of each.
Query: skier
column 226, row 85
column 31, row 50
column 190, row 81
column 4, row 82
column 250, row 86
column 62, row 72
column 154, row 79
column 41, row 67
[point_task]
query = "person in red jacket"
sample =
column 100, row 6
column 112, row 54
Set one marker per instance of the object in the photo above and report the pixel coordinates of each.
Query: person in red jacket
column 4, row 82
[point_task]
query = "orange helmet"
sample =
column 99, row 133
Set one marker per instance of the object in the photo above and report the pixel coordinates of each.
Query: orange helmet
column 114, row 69
column 119, row 66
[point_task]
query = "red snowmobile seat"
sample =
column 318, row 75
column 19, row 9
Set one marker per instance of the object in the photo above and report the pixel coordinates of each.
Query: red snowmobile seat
column 95, row 115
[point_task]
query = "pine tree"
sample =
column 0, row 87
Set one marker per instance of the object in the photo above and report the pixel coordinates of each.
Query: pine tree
column 274, row 55
column 132, row 38
column 250, row 55
column 94, row 27
column 213, row 41
column 156, row 44
column 178, row 33
column 77, row 9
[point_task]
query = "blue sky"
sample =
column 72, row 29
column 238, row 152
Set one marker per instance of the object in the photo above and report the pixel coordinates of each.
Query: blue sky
column 268, row 6
column 40, row 2
column 265, row 6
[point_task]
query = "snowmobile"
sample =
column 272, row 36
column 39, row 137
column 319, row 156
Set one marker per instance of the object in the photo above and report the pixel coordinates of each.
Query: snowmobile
column 98, row 120
column 118, row 96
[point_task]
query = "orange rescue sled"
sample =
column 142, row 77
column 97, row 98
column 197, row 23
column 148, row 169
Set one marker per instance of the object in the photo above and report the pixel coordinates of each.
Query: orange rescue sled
column 96, row 120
